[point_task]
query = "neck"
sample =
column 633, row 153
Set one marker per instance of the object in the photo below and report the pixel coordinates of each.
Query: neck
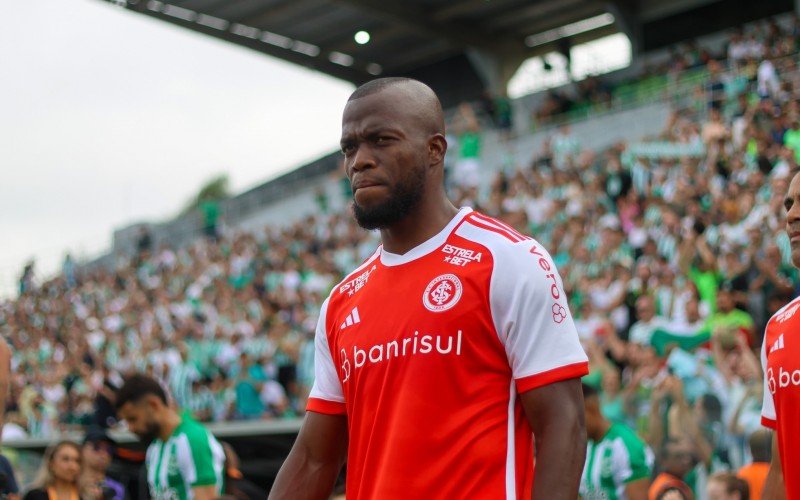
column 61, row 485
column 600, row 430
column 425, row 221
column 172, row 421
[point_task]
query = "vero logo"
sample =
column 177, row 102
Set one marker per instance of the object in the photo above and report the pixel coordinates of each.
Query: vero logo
column 351, row 319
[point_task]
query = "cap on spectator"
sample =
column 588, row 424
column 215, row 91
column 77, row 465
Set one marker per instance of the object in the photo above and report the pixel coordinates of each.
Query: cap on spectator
column 96, row 434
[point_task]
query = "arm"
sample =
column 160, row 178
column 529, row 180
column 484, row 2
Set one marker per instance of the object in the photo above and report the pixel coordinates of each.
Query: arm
column 555, row 413
column 637, row 490
column 774, row 487
column 317, row 456
column 204, row 492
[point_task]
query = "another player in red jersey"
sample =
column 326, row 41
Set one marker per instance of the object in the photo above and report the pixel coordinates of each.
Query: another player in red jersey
column 780, row 357
column 451, row 350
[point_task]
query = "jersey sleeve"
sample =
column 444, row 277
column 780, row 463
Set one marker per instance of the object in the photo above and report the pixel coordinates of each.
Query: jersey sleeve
column 326, row 394
column 634, row 461
column 532, row 317
column 768, row 415
column 195, row 459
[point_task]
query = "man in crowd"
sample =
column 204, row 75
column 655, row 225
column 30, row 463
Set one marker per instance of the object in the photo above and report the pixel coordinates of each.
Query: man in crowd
column 726, row 486
column 781, row 409
column 97, row 452
column 677, row 460
column 430, row 382
column 184, row 461
column 756, row 472
column 618, row 463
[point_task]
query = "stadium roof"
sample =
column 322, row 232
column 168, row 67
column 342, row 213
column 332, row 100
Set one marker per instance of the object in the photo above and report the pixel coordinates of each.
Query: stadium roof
column 407, row 36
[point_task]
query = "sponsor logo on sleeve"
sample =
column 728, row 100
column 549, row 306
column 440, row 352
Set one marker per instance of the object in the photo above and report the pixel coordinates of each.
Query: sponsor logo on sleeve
column 460, row 256
column 558, row 309
column 357, row 283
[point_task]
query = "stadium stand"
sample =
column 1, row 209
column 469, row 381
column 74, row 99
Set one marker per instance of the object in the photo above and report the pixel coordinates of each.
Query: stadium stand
column 664, row 219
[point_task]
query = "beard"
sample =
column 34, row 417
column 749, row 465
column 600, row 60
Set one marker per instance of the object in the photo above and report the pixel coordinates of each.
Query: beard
column 150, row 434
column 403, row 199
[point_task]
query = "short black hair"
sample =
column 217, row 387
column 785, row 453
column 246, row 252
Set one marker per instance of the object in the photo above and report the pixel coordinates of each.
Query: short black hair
column 138, row 386
column 377, row 85
column 588, row 391
column 761, row 445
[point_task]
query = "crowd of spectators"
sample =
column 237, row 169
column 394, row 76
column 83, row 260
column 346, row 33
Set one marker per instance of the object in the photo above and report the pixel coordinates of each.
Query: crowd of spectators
column 672, row 251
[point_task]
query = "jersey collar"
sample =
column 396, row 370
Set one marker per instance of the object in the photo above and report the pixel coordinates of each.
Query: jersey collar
column 426, row 247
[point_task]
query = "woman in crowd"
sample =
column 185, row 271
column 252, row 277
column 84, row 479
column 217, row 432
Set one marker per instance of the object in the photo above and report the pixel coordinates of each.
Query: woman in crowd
column 58, row 476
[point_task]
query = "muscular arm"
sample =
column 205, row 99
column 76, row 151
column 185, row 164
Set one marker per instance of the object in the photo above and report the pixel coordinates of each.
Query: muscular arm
column 555, row 413
column 774, row 487
column 637, row 490
column 317, row 456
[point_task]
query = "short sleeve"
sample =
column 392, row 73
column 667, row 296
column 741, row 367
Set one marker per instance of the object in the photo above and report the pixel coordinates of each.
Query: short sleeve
column 532, row 318
column 768, row 415
column 636, row 461
column 326, row 394
column 195, row 458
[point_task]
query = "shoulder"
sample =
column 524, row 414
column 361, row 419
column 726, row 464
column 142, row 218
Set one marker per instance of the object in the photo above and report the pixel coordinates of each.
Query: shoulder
column 628, row 437
column 785, row 313
column 356, row 277
column 194, row 431
column 497, row 236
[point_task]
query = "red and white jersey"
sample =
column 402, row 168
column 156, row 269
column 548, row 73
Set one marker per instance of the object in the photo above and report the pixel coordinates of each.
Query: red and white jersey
column 780, row 357
column 427, row 352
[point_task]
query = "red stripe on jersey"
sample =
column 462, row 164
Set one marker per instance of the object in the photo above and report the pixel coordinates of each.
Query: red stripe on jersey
column 502, row 224
column 495, row 229
column 325, row 406
column 556, row 375
column 772, row 424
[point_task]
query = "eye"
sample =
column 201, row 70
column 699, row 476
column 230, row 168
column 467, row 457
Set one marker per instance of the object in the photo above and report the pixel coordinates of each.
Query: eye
column 347, row 149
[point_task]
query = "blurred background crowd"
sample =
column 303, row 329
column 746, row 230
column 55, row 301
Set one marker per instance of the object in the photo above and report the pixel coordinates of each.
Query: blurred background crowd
column 674, row 257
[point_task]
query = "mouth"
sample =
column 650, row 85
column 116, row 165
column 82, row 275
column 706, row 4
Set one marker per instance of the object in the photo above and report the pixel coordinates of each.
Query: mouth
column 794, row 237
column 364, row 184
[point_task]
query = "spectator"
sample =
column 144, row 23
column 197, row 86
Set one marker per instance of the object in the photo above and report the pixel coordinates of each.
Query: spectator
column 59, row 474
column 618, row 463
column 726, row 486
column 676, row 461
column 97, row 453
column 755, row 473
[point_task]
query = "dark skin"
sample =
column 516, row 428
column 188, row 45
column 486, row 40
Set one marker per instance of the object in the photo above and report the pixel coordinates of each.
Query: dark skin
column 775, row 486
column 390, row 137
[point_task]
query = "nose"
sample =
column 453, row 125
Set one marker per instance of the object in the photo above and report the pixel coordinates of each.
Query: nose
column 793, row 215
column 362, row 159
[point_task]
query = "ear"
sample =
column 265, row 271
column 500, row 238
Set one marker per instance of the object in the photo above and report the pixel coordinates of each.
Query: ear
column 437, row 147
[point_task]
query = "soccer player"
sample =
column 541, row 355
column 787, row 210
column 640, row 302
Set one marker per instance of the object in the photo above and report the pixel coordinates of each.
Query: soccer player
column 184, row 460
column 781, row 409
column 441, row 358
column 618, row 463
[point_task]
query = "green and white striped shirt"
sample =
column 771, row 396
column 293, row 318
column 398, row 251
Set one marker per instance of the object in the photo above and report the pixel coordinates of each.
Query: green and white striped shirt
column 619, row 458
column 190, row 458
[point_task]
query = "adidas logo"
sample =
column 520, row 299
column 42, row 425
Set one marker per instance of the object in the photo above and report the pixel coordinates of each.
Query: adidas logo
column 777, row 345
column 351, row 319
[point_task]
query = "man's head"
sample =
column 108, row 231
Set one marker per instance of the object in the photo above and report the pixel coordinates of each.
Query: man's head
column 725, row 303
column 394, row 146
column 677, row 457
column 761, row 446
column 142, row 403
column 726, row 486
column 645, row 308
column 791, row 203
column 98, row 449
column 596, row 423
